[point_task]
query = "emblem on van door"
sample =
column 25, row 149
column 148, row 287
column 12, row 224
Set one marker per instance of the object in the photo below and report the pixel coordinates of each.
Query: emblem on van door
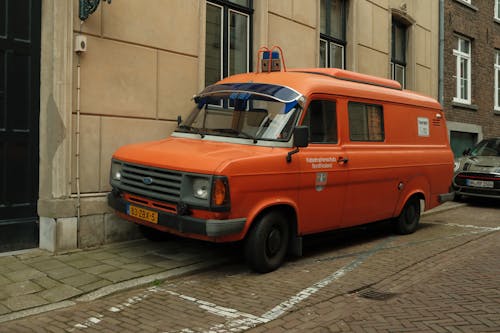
column 147, row 180
column 321, row 181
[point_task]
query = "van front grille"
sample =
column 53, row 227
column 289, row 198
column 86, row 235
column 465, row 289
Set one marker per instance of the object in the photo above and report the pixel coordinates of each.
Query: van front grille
column 154, row 183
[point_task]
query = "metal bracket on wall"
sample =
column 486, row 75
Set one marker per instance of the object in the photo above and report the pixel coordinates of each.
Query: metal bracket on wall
column 87, row 7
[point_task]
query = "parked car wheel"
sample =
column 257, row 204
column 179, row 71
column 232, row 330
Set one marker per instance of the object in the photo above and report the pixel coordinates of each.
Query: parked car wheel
column 267, row 242
column 407, row 221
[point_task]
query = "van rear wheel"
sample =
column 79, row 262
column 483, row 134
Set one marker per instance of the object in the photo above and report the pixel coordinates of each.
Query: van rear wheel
column 407, row 221
column 267, row 242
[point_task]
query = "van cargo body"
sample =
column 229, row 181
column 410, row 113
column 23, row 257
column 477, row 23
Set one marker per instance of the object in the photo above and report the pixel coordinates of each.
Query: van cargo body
column 270, row 157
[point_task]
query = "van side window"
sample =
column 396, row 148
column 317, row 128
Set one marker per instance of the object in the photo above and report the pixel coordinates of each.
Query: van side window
column 366, row 122
column 321, row 117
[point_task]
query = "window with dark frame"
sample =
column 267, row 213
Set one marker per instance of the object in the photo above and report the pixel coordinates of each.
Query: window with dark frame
column 366, row 122
column 398, row 52
column 332, row 41
column 228, row 46
column 321, row 118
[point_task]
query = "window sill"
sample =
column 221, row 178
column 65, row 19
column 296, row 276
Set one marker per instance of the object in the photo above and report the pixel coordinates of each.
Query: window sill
column 496, row 20
column 497, row 112
column 472, row 107
column 468, row 5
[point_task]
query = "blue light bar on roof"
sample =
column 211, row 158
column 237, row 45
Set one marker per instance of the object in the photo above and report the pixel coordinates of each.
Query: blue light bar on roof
column 274, row 55
column 271, row 61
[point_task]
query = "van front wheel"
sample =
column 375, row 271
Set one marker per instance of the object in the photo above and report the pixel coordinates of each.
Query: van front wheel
column 407, row 221
column 267, row 243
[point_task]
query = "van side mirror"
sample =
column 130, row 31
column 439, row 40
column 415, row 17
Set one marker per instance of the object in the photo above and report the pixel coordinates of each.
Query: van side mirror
column 301, row 136
column 300, row 140
column 466, row 152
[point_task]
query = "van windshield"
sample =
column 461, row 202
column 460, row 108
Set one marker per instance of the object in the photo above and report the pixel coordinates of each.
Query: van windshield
column 242, row 114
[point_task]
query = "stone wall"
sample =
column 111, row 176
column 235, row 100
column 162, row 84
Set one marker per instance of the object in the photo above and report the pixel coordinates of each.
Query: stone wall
column 144, row 62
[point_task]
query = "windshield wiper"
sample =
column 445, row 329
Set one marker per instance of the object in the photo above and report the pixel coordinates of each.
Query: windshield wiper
column 195, row 130
column 236, row 132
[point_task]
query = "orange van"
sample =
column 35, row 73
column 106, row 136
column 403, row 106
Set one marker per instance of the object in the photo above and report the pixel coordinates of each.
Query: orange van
column 272, row 156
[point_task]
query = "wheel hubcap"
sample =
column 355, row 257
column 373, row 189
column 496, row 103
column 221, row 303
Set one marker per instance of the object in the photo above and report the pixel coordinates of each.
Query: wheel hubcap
column 273, row 242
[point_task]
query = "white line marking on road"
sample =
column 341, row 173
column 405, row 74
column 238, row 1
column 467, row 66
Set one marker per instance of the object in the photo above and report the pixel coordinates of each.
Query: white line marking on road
column 238, row 321
column 215, row 309
column 93, row 321
column 89, row 322
column 485, row 229
column 283, row 307
column 133, row 300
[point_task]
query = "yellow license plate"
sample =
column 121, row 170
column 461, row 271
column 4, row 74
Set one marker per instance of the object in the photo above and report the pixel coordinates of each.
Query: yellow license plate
column 143, row 214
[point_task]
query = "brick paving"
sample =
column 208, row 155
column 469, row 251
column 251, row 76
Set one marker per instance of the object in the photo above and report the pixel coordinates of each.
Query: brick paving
column 443, row 278
column 458, row 291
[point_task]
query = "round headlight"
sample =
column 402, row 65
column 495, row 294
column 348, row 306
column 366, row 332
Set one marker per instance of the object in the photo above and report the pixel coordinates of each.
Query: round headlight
column 200, row 188
column 457, row 166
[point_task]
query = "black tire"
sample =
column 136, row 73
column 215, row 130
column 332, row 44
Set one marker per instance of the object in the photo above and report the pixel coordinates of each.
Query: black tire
column 407, row 221
column 267, row 242
column 153, row 234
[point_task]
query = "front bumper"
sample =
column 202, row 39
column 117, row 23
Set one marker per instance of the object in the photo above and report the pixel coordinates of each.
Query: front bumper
column 183, row 223
column 462, row 183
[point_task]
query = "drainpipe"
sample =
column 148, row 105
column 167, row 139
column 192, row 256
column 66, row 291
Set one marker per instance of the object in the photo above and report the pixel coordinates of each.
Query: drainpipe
column 441, row 53
column 77, row 138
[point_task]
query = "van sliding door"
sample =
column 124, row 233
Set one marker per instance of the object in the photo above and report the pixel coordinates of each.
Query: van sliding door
column 373, row 191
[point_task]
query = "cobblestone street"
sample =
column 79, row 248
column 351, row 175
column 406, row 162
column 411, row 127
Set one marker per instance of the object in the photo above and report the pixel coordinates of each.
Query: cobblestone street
column 443, row 278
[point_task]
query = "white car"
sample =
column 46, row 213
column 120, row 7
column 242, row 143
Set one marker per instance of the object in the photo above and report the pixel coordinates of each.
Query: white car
column 478, row 172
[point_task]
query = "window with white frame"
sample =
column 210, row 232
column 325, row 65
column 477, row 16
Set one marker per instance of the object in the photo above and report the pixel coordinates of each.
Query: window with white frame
column 398, row 52
column 497, row 9
column 332, row 41
column 463, row 70
column 497, row 80
column 227, row 38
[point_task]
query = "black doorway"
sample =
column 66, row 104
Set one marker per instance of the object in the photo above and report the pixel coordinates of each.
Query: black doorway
column 19, row 120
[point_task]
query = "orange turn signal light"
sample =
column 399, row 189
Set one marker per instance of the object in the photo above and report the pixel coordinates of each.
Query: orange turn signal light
column 219, row 193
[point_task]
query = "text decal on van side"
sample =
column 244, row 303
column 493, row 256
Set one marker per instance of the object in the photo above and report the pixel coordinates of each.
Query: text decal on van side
column 321, row 162
column 423, row 126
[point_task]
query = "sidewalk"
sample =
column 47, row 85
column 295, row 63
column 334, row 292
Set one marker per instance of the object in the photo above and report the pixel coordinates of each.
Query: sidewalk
column 36, row 281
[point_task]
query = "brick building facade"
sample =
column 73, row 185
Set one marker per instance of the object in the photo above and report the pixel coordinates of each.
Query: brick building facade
column 471, row 38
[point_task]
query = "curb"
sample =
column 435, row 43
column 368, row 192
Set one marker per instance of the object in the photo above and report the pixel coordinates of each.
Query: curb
column 443, row 208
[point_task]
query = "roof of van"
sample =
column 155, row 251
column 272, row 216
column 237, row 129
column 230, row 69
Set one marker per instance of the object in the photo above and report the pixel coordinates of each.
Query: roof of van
column 336, row 81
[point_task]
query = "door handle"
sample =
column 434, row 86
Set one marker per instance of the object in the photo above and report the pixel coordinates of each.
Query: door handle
column 342, row 160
